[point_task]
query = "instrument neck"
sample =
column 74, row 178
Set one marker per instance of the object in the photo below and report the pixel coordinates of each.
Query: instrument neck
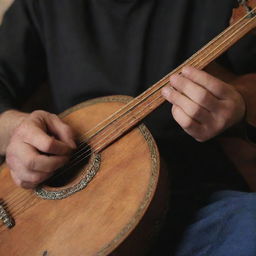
column 138, row 108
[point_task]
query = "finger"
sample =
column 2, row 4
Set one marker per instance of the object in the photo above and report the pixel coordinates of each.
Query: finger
column 39, row 139
column 195, row 92
column 49, row 164
column 192, row 109
column 61, row 130
column 34, row 161
column 20, row 183
column 217, row 87
column 189, row 125
column 21, row 175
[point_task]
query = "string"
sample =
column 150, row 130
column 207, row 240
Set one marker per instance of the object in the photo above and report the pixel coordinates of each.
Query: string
column 158, row 89
column 206, row 46
column 236, row 32
column 17, row 211
column 198, row 62
column 19, row 196
column 20, row 210
column 127, row 105
column 10, row 204
column 89, row 152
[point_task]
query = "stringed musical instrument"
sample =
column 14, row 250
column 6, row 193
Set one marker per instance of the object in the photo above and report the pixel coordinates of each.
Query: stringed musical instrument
column 110, row 200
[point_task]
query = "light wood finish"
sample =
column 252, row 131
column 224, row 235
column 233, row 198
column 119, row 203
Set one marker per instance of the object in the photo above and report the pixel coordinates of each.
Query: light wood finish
column 95, row 220
column 149, row 100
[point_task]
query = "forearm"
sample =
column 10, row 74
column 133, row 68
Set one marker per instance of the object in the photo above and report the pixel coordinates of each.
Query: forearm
column 9, row 120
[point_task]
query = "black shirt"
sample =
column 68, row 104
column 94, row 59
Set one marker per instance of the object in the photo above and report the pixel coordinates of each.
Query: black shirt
column 91, row 48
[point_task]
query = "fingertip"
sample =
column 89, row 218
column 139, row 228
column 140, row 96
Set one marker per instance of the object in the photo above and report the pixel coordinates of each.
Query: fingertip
column 72, row 144
column 173, row 78
column 187, row 70
column 166, row 91
column 69, row 138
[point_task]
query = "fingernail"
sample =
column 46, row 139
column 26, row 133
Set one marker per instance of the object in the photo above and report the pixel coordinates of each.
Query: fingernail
column 166, row 91
column 186, row 70
column 174, row 78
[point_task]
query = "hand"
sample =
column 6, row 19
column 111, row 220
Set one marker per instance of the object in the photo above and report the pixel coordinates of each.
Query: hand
column 39, row 145
column 203, row 105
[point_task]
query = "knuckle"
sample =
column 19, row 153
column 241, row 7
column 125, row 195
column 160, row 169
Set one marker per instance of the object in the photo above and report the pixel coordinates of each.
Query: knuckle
column 48, row 144
column 54, row 116
column 204, row 97
column 220, row 89
column 196, row 111
column 10, row 159
column 22, row 130
column 186, row 86
column 224, row 118
column 19, row 182
column 232, row 107
column 38, row 113
column 68, row 131
column 30, row 163
column 187, row 124
column 34, row 178
column 219, row 126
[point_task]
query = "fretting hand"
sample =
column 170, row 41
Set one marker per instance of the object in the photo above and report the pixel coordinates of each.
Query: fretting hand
column 203, row 105
column 39, row 145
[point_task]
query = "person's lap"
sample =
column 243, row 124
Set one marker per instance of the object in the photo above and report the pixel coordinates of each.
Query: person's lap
column 226, row 226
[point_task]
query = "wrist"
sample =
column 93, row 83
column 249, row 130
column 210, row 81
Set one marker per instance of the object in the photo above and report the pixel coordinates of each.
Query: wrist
column 245, row 85
column 9, row 121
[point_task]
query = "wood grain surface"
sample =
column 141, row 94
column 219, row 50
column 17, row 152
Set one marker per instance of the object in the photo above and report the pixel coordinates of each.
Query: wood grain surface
column 97, row 219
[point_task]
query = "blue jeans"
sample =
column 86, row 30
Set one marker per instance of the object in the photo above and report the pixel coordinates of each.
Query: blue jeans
column 225, row 227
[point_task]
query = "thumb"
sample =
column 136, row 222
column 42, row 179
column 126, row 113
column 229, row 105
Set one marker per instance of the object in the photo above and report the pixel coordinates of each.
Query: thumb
column 61, row 130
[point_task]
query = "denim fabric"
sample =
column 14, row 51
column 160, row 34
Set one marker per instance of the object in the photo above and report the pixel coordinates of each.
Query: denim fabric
column 226, row 227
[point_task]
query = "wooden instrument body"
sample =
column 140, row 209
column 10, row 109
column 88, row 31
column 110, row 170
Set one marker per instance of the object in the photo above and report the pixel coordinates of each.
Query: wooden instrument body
column 97, row 219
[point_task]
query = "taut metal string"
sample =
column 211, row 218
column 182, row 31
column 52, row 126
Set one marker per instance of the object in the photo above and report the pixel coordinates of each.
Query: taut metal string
column 224, row 33
column 73, row 163
column 151, row 93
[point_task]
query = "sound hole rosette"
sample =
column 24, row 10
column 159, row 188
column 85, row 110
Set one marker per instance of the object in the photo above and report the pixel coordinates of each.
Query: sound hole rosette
column 89, row 172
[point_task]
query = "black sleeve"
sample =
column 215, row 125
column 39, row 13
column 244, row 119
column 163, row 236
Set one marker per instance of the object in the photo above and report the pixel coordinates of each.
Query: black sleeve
column 241, row 58
column 22, row 59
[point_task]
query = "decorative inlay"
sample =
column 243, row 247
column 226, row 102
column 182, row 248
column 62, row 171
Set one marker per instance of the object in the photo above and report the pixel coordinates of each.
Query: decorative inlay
column 155, row 164
column 90, row 172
